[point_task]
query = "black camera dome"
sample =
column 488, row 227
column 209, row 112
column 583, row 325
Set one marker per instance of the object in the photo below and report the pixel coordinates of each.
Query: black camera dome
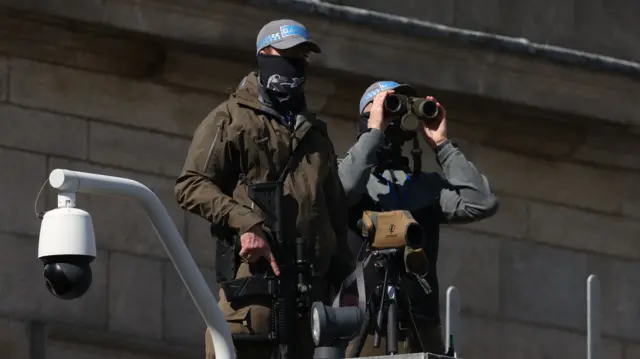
column 68, row 277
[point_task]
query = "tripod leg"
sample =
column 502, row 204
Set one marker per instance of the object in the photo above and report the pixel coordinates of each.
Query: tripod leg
column 392, row 329
column 358, row 343
column 380, row 317
column 379, row 322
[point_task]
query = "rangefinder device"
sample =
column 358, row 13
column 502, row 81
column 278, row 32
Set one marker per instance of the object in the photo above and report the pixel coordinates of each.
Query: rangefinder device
column 411, row 109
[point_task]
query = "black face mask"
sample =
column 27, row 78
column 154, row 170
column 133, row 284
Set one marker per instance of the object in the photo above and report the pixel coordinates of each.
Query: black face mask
column 283, row 79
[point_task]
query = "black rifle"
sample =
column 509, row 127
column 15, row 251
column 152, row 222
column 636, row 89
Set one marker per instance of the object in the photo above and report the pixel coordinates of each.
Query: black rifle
column 291, row 289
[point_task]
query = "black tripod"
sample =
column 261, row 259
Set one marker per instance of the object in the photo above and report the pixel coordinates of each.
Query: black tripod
column 385, row 302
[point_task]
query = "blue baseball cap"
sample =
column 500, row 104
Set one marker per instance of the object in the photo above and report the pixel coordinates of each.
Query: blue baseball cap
column 380, row 86
column 284, row 34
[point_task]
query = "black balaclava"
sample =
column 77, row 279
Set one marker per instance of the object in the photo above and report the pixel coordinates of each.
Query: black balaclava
column 282, row 80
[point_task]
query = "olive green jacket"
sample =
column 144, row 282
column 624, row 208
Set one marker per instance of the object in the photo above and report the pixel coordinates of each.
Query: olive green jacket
column 241, row 141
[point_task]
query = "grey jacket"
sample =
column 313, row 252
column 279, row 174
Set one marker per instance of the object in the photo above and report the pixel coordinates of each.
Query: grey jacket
column 464, row 195
column 459, row 195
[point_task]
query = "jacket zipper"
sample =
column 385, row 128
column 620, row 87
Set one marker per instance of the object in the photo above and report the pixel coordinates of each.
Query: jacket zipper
column 213, row 146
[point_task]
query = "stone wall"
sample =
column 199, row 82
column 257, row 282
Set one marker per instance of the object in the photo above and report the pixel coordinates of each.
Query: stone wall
column 604, row 27
column 93, row 99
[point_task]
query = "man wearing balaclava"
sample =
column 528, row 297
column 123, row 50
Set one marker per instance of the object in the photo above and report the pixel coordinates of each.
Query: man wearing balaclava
column 378, row 177
column 263, row 128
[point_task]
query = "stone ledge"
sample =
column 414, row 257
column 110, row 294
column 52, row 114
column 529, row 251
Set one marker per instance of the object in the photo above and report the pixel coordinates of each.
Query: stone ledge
column 120, row 342
column 163, row 350
column 442, row 66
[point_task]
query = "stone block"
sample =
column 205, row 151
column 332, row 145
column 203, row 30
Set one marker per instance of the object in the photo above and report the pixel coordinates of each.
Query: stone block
column 620, row 295
column 463, row 126
column 14, row 339
column 121, row 224
column 182, row 321
column 135, row 295
column 523, row 18
column 23, row 176
column 109, row 98
column 530, row 342
column 528, row 81
column 25, row 293
column 136, row 149
column 470, row 262
column 511, row 220
column 479, row 338
column 553, row 181
column 632, row 351
column 80, row 46
column 613, row 146
column 58, row 349
column 342, row 133
column 201, row 244
column 572, row 228
column 428, row 10
column 543, row 284
column 480, row 15
column 4, row 78
column 524, row 134
column 204, row 72
column 631, row 202
column 43, row 132
column 608, row 28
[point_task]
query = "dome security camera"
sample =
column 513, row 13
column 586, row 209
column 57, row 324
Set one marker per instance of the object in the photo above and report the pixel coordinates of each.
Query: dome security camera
column 67, row 247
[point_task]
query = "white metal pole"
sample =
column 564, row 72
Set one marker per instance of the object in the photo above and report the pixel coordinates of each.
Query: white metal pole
column 452, row 321
column 73, row 181
column 594, row 318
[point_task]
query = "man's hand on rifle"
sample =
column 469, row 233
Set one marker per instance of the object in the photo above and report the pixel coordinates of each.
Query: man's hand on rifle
column 255, row 246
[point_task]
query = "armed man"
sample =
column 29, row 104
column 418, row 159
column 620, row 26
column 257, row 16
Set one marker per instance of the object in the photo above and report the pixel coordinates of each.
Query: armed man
column 263, row 135
column 377, row 177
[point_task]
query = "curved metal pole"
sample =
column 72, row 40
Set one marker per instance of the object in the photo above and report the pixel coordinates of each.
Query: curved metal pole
column 452, row 321
column 73, row 181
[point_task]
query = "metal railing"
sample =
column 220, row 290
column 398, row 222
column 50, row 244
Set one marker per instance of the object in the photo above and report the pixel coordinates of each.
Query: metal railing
column 453, row 332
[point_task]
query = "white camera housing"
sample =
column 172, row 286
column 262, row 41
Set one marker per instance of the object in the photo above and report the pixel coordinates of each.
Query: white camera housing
column 67, row 246
column 66, row 231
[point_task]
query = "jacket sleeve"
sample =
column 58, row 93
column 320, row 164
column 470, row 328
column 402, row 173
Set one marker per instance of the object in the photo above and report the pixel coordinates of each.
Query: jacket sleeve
column 466, row 195
column 210, row 173
column 343, row 261
column 354, row 169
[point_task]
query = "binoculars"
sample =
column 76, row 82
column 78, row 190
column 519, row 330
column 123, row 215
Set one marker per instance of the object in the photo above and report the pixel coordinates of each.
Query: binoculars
column 412, row 110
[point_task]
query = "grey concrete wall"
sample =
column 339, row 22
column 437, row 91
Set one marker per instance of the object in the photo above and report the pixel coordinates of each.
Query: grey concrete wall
column 604, row 27
column 96, row 100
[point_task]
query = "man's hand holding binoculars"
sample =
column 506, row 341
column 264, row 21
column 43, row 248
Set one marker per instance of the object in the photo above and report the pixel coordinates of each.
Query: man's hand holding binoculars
column 435, row 132
column 377, row 118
